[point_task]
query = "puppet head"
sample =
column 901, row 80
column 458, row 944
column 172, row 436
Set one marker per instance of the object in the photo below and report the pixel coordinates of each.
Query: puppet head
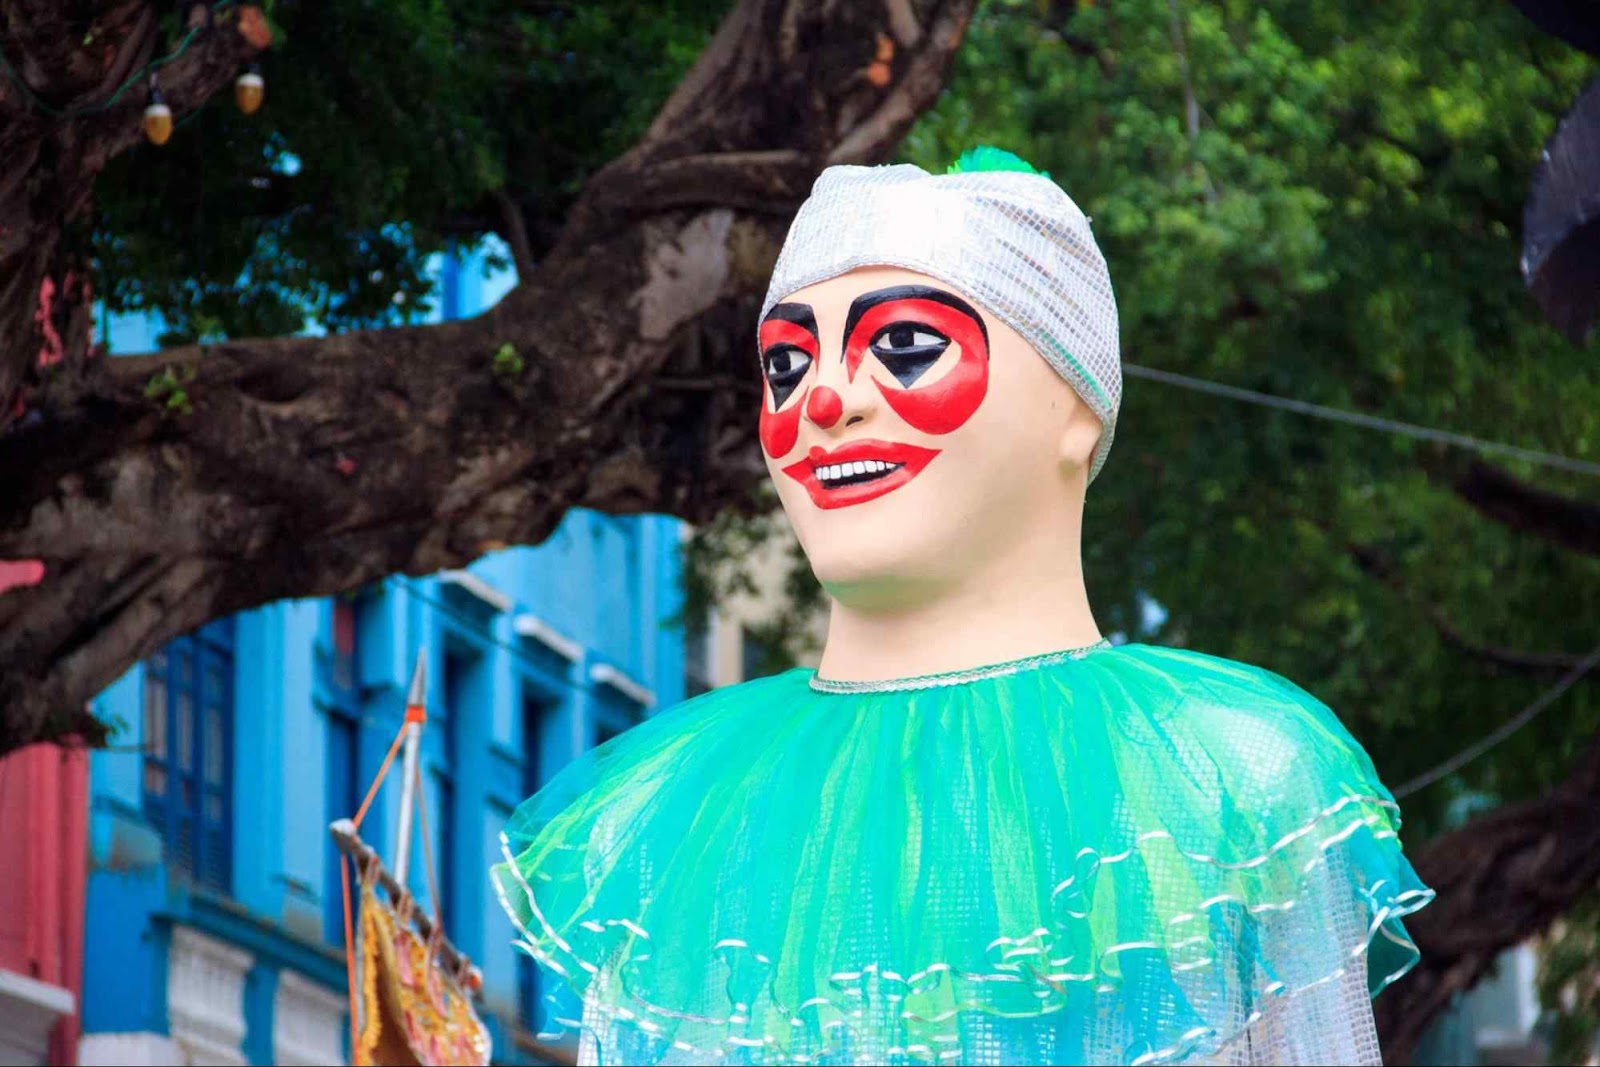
column 941, row 364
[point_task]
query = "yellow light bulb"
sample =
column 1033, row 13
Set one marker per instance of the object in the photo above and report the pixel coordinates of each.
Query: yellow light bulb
column 157, row 123
column 248, row 92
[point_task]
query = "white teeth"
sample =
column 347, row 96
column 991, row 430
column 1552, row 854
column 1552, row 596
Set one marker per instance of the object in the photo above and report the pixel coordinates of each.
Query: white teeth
column 838, row 471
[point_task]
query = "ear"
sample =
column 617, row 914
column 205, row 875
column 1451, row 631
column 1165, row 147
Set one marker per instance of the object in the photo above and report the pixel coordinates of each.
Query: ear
column 1078, row 439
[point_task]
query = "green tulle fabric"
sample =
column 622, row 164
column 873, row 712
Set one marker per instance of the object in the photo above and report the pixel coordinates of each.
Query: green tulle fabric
column 1127, row 844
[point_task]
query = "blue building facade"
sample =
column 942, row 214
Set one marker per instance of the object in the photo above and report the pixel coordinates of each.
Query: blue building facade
column 214, row 928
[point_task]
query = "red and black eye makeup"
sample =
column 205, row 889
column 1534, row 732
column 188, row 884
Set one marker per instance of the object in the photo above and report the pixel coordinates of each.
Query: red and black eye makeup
column 789, row 346
column 907, row 328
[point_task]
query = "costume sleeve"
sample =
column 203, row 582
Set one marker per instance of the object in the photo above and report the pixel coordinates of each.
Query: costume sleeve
column 1330, row 1022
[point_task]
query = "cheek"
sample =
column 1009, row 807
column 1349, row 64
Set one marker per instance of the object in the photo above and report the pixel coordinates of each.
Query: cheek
column 945, row 406
column 780, row 430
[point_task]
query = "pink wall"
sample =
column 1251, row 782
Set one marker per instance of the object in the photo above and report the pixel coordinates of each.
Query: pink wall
column 43, row 815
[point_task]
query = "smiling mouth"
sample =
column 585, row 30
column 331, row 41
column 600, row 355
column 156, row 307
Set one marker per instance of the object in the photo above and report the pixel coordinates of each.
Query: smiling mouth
column 836, row 475
column 859, row 471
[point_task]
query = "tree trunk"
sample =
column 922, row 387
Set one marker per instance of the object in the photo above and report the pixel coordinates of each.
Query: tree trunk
column 1501, row 879
column 161, row 491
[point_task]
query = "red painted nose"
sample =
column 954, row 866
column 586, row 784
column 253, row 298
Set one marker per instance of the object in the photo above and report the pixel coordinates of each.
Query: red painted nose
column 824, row 406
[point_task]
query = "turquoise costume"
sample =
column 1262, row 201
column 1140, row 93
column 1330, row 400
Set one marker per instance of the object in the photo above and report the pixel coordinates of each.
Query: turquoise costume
column 1110, row 854
column 1103, row 855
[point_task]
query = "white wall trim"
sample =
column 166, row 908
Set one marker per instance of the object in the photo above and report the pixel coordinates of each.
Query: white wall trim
column 29, row 1009
column 137, row 1047
column 205, row 997
column 605, row 674
column 42, row 995
column 536, row 629
column 472, row 585
column 307, row 1023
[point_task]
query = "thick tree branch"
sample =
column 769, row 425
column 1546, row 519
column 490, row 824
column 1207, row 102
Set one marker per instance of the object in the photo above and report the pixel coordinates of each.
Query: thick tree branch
column 1380, row 567
column 914, row 86
column 1501, row 879
column 165, row 490
column 1508, row 500
column 515, row 225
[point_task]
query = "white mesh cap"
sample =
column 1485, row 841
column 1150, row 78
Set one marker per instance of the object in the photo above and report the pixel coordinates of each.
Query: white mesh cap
column 1011, row 240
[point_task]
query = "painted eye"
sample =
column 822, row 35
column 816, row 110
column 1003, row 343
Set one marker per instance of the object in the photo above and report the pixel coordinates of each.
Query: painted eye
column 908, row 349
column 784, row 366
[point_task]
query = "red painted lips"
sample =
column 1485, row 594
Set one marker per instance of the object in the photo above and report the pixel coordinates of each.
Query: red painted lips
column 833, row 480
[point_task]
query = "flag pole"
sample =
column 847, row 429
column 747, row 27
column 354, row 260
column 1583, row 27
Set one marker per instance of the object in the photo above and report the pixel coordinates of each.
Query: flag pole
column 416, row 716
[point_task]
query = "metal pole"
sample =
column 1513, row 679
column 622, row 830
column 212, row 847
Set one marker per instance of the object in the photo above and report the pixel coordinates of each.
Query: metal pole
column 416, row 715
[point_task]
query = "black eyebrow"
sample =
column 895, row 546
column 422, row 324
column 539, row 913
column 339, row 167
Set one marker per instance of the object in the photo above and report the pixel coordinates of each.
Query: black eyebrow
column 867, row 301
column 799, row 314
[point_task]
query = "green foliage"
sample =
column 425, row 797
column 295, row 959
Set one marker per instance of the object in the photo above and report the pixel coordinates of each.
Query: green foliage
column 720, row 562
column 166, row 388
column 1340, row 224
column 386, row 128
column 1569, row 984
column 508, row 365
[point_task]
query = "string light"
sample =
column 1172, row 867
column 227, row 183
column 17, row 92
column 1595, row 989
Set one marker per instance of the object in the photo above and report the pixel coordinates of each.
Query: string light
column 249, row 90
column 157, row 116
column 199, row 16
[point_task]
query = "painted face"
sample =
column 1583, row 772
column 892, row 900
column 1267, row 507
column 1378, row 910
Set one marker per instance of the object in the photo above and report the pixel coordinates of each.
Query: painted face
column 924, row 349
column 902, row 424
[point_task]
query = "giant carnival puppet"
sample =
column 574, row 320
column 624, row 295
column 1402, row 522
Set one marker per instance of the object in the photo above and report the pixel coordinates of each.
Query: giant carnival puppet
column 977, row 832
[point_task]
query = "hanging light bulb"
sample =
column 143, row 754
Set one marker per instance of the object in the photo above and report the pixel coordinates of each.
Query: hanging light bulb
column 157, row 117
column 249, row 90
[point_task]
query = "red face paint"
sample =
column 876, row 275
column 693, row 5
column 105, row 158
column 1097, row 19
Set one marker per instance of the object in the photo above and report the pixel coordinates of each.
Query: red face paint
column 780, row 426
column 945, row 405
column 824, row 406
column 780, row 430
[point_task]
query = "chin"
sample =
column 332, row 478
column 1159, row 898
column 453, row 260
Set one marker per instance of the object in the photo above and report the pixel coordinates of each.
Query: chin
column 878, row 573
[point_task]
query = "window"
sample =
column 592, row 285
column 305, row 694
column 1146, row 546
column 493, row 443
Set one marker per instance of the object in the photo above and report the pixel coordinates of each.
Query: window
column 529, row 992
column 188, row 738
column 457, row 691
column 341, row 709
column 613, row 713
column 536, row 713
column 442, row 816
column 344, row 644
column 344, row 789
column 697, row 657
column 536, row 767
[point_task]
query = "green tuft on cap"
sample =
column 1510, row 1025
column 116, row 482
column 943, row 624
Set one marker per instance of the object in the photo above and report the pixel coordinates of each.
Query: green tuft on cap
column 985, row 157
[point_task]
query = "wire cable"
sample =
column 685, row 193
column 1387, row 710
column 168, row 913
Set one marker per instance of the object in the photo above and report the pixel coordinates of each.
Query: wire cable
column 1505, row 730
column 1370, row 422
column 479, row 632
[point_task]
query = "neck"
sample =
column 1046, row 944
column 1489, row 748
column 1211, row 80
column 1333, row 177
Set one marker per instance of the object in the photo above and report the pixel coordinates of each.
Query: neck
column 1031, row 602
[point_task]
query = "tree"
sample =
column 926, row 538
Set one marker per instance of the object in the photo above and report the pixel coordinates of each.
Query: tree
column 160, row 491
